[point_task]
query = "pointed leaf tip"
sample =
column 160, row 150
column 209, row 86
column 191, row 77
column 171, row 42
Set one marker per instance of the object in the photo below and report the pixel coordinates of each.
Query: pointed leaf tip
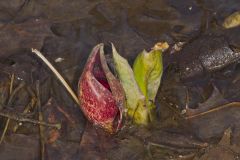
column 135, row 99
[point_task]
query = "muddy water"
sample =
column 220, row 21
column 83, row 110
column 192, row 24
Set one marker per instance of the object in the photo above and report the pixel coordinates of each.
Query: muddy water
column 66, row 31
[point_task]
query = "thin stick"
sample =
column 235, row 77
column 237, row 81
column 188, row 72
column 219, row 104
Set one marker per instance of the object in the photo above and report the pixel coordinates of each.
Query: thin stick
column 9, row 101
column 11, row 84
column 25, row 111
column 228, row 105
column 14, row 92
column 28, row 120
column 4, row 130
column 164, row 146
column 41, row 128
column 58, row 75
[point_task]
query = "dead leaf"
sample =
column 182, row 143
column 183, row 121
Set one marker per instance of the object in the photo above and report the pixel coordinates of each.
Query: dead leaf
column 222, row 150
column 30, row 34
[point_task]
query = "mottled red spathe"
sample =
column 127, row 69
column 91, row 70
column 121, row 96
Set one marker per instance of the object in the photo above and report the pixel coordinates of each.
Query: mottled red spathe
column 96, row 99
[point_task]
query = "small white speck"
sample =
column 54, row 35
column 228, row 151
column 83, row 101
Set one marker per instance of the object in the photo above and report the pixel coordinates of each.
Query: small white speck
column 190, row 8
column 20, row 123
column 187, row 69
column 18, row 78
column 183, row 111
column 59, row 59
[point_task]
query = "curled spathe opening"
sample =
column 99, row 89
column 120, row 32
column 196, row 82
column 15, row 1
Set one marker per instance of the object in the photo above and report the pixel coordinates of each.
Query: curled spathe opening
column 101, row 95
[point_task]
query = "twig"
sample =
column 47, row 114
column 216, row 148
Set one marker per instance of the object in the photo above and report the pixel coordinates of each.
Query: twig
column 11, row 84
column 28, row 107
column 41, row 128
column 25, row 111
column 58, row 75
column 13, row 93
column 9, row 101
column 172, row 148
column 228, row 105
column 4, row 130
column 28, row 120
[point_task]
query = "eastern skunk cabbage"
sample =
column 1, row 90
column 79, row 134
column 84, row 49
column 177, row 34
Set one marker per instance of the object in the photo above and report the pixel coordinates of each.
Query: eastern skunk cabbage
column 101, row 95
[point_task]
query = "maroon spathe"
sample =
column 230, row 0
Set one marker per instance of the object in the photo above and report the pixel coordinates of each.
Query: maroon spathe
column 96, row 99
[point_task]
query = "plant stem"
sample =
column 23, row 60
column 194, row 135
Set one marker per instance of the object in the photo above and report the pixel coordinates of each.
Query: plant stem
column 58, row 75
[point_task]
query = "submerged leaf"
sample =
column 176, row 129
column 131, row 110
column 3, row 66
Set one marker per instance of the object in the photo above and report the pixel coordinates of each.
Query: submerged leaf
column 136, row 107
column 232, row 21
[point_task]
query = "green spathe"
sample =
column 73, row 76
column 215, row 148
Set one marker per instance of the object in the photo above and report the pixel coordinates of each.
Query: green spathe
column 148, row 70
